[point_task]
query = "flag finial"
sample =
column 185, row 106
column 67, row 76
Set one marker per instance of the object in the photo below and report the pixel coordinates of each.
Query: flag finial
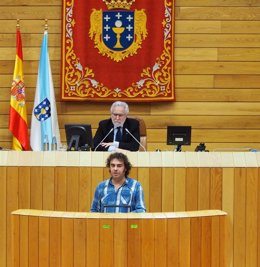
column 17, row 24
column 46, row 25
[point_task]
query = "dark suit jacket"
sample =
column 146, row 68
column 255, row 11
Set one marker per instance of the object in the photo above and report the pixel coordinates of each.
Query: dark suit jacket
column 128, row 141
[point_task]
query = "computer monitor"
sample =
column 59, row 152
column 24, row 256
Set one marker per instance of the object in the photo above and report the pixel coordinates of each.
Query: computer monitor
column 178, row 136
column 79, row 137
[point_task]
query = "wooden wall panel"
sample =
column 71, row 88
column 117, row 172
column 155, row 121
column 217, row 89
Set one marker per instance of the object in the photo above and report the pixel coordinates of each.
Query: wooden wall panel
column 184, row 243
column 106, row 240
column 24, row 241
column 147, row 244
column 191, row 193
column 60, row 185
column 222, row 3
column 155, row 189
column 239, row 54
column 167, row 189
column 204, row 188
column 217, row 92
column 55, row 244
column 12, row 189
column 15, row 242
column 217, row 13
column 34, row 242
column 228, row 205
column 160, row 242
column 240, row 217
column 37, row 184
column 67, row 243
column 48, row 188
column 179, row 189
column 85, row 197
column 133, row 244
column 217, row 65
column 143, row 177
column 234, row 190
column 258, row 212
column 195, row 242
column 92, row 246
column 73, row 189
column 173, row 241
column 216, row 188
column 217, row 40
column 217, row 26
column 3, row 215
column 79, row 239
column 24, row 187
column 44, row 241
column 31, row 12
column 141, row 240
column 206, row 235
column 251, row 216
column 120, row 234
column 223, row 67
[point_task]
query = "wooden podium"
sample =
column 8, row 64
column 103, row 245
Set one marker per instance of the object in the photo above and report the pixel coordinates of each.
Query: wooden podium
column 54, row 239
column 172, row 182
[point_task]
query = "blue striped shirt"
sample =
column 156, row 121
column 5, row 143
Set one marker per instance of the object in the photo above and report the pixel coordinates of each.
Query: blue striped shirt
column 127, row 198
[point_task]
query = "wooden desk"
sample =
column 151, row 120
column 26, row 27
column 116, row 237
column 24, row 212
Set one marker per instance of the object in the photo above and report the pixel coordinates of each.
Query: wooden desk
column 48, row 238
column 184, row 181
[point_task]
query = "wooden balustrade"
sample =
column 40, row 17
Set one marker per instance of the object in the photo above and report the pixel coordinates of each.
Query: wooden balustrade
column 47, row 238
column 172, row 182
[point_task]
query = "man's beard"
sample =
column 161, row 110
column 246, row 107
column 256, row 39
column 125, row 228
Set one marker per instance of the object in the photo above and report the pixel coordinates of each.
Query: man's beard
column 118, row 124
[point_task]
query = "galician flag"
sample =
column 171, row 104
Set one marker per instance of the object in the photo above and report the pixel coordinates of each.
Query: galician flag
column 44, row 125
column 18, row 114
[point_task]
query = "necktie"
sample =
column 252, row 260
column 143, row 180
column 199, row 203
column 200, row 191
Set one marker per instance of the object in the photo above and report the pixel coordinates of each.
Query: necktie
column 118, row 134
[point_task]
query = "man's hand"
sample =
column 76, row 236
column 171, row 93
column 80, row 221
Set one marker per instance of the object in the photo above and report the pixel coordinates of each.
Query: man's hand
column 107, row 144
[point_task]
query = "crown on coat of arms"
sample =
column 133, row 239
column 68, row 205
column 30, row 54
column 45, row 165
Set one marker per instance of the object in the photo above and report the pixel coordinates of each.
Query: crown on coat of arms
column 125, row 4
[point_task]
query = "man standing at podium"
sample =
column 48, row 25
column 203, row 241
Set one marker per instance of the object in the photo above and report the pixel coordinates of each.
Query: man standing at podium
column 119, row 193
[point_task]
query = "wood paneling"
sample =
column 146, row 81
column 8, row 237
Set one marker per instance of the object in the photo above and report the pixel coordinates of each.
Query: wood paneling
column 31, row 12
column 217, row 3
column 218, row 40
column 199, row 181
column 3, row 215
column 124, row 241
column 217, row 26
column 217, row 92
column 217, row 70
column 218, row 13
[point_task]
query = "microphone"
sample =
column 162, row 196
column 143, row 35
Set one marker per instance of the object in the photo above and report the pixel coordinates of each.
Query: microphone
column 111, row 130
column 135, row 139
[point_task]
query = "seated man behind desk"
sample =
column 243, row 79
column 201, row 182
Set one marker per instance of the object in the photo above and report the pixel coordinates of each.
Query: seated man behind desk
column 118, row 193
column 113, row 133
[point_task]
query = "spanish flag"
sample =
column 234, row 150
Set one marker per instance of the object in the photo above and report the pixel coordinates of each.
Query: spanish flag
column 18, row 115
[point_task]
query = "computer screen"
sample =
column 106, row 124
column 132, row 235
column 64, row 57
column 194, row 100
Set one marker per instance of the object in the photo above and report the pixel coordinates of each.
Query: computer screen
column 79, row 137
column 178, row 135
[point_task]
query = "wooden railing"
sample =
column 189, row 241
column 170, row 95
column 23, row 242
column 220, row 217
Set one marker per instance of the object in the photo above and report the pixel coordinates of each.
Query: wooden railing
column 172, row 182
column 47, row 238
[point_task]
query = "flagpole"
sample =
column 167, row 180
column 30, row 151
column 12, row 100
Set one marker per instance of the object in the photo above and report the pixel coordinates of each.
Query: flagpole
column 17, row 111
column 44, row 122
column 46, row 25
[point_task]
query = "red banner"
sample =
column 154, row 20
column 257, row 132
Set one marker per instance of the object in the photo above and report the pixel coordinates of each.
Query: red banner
column 118, row 50
column 18, row 112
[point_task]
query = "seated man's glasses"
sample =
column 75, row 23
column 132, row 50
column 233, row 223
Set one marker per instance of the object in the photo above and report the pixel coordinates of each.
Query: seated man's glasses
column 118, row 115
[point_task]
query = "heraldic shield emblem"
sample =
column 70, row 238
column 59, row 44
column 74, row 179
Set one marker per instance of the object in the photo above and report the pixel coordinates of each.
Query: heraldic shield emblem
column 118, row 50
column 118, row 32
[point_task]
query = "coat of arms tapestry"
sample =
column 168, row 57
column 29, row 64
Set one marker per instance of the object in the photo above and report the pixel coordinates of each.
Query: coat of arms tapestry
column 118, row 50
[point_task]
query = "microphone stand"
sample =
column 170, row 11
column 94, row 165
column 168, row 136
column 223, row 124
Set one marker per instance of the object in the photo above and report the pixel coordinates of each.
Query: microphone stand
column 135, row 139
column 112, row 129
